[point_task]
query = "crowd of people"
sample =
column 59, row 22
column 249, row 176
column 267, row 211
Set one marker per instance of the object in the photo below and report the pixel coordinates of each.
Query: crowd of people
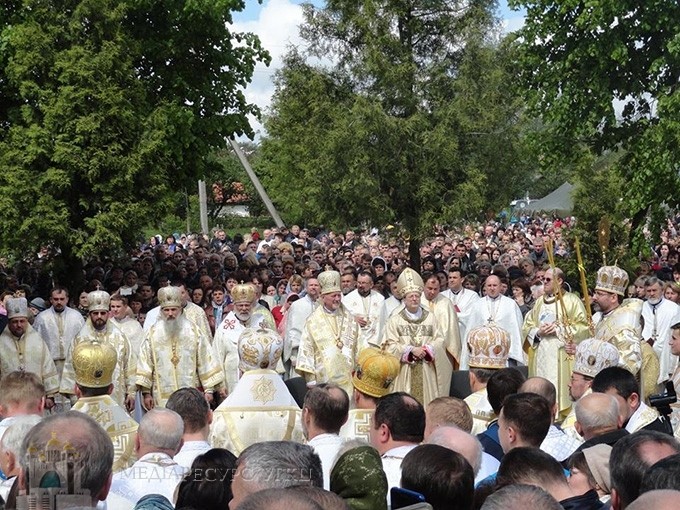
column 312, row 369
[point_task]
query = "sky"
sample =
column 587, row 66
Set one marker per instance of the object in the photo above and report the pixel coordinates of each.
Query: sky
column 276, row 23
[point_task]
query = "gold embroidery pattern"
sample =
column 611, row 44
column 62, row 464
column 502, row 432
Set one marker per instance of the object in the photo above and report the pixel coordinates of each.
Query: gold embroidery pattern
column 263, row 390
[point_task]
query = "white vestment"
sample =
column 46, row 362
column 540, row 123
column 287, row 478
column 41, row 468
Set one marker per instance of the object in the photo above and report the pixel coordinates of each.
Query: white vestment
column 658, row 321
column 259, row 409
column 295, row 323
column 504, row 313
column 58, row 331
column 133, row 330
column 463, row 300
column 226, row 345
column 370, row 308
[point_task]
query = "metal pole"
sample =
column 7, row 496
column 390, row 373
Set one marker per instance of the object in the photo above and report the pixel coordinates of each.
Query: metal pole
column 258, row 186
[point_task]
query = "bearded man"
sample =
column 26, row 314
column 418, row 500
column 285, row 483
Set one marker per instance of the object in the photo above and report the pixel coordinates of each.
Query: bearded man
column 365, row 305
column 23, row 349
column 229, row 331
column 98, row 329
column 175, row 354
column 328, row 346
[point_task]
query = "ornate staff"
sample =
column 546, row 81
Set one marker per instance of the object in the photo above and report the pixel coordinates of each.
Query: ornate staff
column 564, row 320
column 584, row 287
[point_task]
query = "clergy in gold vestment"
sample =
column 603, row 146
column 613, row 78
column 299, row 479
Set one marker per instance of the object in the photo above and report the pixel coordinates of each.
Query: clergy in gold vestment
column 413, row 336
column 93, row 365
column 445, row 316
column 328, row 346
column 260, row 408
column 22, row 348
column 548, row 328
column 619, row 323
column 174, row 355
column 373, row 377
column 98, row 328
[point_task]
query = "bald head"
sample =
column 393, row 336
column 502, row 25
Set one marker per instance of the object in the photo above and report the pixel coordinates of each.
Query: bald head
column 658, row 500
column 540, row 386
column 459, row 441
column 596, row 414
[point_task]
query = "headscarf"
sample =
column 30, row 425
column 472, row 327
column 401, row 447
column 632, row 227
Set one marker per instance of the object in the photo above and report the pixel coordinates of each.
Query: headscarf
column 359, row 479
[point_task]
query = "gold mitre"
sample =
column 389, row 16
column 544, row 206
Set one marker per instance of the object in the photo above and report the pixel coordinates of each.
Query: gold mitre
column 170, row 297
column 17, row 307
column 612, row 279
column 259, row 348
column 329, row 281
column 409, row 281
column 375, row 372
column 98, row 301
column 243, row 293
column 94, row 363
column 593, row 356
column 489, row 347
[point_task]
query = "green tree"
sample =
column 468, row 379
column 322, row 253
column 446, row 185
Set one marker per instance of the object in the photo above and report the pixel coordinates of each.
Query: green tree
column 605, row 74
column 112, row 104
column 415, row 122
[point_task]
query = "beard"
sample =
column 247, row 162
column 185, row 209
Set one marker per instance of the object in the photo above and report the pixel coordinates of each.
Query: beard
column 243, row 316
column 364, row 293
column 171, row 327
column 99, row 324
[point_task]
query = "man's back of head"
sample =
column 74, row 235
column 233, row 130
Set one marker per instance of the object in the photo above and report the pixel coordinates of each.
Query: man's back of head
column 399, row 419
column 524, row 421
column 21, row 393
column 540, row 386
column 658, row 500
column 459, row 441
column 620, row 383
column 275, row 465
column 501, row 384
column 596, row 414
column 447, row 411
column 521, row 497
column 275, row 499
column 192, row 407
column 664, row 475
column 325, row 409
column 440, row 474
column 631, row 457
column 533, row 467
column 160, row 430
column 70, row 431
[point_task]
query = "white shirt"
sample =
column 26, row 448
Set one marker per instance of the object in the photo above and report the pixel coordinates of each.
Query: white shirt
column 190, row 450
column 489, row 466
column 154, row 473
column 326, row 447
column 391, row 461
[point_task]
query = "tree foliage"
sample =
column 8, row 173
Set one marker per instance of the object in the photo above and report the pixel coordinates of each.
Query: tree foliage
column 107, row 106
column 605, row 74
column 397, row 111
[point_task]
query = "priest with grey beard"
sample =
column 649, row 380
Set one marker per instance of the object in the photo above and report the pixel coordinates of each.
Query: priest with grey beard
column 241, row 318
column 174, row 355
